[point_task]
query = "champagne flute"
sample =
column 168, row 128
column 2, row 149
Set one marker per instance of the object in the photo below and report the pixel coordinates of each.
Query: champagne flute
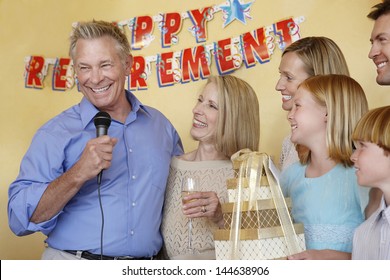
column 189, row 185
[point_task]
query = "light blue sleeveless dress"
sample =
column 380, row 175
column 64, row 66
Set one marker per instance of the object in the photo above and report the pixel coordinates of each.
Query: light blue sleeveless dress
column 330, row 207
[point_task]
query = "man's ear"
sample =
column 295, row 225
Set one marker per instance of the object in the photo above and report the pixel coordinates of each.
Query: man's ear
column 129, row 64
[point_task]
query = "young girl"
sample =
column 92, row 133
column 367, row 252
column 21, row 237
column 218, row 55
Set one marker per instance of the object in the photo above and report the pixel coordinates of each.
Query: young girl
column 372, row 165
column 307, row 57
column 323, row 187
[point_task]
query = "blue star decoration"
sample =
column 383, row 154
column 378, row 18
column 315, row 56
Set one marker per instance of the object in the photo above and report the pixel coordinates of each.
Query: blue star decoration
column 236, row 10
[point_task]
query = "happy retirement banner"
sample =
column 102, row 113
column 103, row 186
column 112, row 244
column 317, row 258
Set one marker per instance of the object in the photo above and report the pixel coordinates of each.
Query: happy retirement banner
column 191, row 64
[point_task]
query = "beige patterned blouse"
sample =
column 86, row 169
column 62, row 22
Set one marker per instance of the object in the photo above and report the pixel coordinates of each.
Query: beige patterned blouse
column 213, row 176
column 289, row 154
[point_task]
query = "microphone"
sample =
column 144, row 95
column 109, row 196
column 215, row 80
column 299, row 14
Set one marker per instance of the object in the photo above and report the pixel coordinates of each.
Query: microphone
column 102, row 121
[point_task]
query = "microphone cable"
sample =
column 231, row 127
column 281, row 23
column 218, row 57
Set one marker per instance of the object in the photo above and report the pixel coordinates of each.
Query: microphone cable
column 102, row 121
column 102, row 219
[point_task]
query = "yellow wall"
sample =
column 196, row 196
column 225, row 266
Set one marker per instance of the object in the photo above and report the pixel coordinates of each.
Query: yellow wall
column 42, row 27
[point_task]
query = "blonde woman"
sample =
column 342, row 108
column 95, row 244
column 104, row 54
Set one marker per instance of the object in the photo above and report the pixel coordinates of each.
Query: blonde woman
column 225, row 120
column 325, row 194
column 302, row 59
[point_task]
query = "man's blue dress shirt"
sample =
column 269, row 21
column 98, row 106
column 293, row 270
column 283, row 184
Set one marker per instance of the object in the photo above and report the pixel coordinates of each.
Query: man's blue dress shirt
column 132, row 189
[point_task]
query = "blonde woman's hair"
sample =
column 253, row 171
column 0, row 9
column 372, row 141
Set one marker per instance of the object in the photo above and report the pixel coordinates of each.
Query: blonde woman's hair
column 320, row 55
column 346, row 103
column 374, row 127
column 97, row 29
column 239, row 116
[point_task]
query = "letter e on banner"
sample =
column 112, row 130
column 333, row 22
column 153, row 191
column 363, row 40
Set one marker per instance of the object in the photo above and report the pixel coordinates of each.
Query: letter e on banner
column 59, row 74
column 164, row 69
column 223, row 56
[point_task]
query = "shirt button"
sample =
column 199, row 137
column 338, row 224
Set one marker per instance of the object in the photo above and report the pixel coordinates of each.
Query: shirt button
column 133, row 177
column 133, row 204
column 130, row 150
column 132, row 232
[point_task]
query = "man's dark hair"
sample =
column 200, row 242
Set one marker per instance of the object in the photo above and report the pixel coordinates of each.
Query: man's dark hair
column 380, row 9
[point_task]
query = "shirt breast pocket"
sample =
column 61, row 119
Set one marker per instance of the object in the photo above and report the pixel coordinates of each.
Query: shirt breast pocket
column 159, row 163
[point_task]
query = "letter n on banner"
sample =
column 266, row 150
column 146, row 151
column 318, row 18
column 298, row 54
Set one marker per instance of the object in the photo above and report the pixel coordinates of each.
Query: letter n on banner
column 34, row 75
column 254, row 47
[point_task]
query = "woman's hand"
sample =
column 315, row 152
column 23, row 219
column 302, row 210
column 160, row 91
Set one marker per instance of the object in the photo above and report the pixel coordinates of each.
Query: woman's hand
column 203, row 204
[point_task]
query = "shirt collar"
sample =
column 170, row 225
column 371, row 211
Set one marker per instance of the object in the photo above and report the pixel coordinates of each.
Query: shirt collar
column 136, row 105
column 88, row 110
column 385, row 211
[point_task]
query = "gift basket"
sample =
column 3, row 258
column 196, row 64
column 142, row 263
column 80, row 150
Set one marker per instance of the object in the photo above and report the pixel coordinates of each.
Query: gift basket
column 257, row 218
